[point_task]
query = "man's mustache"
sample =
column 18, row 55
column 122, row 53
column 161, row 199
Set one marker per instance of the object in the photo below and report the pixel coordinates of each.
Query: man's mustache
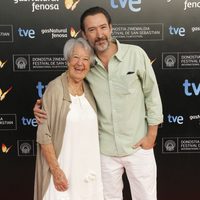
column 100, row 39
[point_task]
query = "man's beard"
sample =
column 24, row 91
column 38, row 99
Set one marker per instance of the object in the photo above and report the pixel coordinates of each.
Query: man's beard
column 101, row 44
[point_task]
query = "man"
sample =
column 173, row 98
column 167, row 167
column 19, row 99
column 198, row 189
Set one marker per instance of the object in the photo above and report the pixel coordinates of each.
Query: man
column 129, row 109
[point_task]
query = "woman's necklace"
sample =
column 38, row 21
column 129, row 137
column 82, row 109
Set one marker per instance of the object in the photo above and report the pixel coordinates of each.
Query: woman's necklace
column 75, row 89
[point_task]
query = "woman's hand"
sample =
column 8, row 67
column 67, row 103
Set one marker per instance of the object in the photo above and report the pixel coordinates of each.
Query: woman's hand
column 39, row 114
column 60, row 180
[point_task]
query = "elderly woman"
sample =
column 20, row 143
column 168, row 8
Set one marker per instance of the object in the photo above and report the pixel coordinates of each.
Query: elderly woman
column 68, row 158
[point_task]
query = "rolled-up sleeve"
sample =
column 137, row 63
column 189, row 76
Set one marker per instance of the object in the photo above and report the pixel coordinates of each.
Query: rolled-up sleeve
column 153, row 104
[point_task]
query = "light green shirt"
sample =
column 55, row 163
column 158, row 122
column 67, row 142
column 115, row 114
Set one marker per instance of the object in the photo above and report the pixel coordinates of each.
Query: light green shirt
column 127, row 98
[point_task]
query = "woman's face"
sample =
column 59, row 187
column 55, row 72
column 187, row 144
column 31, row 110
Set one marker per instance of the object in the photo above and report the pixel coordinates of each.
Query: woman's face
column 79, row 63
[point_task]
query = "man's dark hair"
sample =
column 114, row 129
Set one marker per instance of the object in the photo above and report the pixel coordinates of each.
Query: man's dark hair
column 94, row 11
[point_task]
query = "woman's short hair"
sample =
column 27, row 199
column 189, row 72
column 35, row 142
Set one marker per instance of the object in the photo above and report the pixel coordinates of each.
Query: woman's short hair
column 72, row 43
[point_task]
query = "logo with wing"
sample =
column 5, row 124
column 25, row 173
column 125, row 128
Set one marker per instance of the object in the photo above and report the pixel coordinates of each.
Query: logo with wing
column 5, row 149
column 73, row 33
column 71, row 4
column 2, row 64
column 3, row 94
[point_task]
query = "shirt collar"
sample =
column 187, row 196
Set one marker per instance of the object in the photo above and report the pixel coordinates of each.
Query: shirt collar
column 118, row 54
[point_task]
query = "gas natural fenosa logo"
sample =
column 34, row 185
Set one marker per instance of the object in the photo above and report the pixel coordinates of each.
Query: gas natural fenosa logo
column 2, row 63
column 5, row 149
column 73, row 33
column 71, row 4
column 3, row 94
column 40, row 5
column 152, row 61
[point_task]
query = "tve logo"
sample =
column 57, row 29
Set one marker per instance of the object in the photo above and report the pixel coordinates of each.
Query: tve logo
column 132, row 4
column 29, row 122
column 26, row 33
column 191, row 88
column 175, row 119
column 179, row 31
column 40, row 88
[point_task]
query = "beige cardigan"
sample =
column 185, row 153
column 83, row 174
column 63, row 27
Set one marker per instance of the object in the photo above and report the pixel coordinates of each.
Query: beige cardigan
column 56, row 101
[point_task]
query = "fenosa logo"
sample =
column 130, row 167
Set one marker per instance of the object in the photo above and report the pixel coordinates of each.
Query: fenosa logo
column 133, row 5
column 5, row 149
column 189, row 4
column 42, row 5
column 71, row 4
column 2, row 63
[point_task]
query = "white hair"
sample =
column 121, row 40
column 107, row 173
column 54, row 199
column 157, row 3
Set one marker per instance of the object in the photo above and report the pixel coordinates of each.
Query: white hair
column 72, row 43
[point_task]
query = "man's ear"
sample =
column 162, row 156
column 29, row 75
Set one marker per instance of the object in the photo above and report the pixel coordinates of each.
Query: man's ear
column 111, row 28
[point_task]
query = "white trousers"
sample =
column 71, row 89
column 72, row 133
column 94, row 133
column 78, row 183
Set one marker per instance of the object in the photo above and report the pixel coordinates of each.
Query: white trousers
column 141, row 172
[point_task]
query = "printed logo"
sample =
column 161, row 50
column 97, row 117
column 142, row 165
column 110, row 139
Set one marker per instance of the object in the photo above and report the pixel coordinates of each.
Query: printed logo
column 20, row 63
column 169, row 145
column 42, row 5
column 191, row 88
column 55, row 33
column 8, row 122
column 133, row 5
column 39, row 62
column 71, row 4
column 189, row 145
column 73, row 33
column 2, row 63
column 40, row 88
column 181, row 145
column 195, row 29
column 191, row 4
column 3, row 94
column 181, row 60
column 152, row 61
column 29, row 121
column 25, row 147
column 6, row 33
column 30, row 33
column 5, row 149
column 175, row 119
column 194, row 117
column 179, row 31
column 138, row 32
column 170, row 61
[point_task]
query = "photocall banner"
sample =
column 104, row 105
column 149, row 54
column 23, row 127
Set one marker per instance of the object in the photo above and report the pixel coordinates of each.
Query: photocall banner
column 32, row 36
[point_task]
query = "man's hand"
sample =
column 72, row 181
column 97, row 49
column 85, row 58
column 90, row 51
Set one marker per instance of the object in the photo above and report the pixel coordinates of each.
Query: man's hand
column 148, row 142
column 39, row 114
column 60, row 180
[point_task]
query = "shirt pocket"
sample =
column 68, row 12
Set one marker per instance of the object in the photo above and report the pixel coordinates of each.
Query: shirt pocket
column 131, row 83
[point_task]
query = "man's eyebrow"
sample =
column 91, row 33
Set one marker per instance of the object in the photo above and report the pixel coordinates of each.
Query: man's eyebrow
column 97, row 26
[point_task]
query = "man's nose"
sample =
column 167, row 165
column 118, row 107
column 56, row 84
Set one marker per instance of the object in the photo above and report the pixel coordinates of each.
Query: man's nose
column 99, row 33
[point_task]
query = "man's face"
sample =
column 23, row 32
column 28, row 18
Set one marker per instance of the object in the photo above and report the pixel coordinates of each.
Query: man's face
column 97, row 32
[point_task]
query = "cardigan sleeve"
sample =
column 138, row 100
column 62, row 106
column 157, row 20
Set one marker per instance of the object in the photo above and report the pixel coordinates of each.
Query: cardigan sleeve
column 49, row 100
column 43, row 130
